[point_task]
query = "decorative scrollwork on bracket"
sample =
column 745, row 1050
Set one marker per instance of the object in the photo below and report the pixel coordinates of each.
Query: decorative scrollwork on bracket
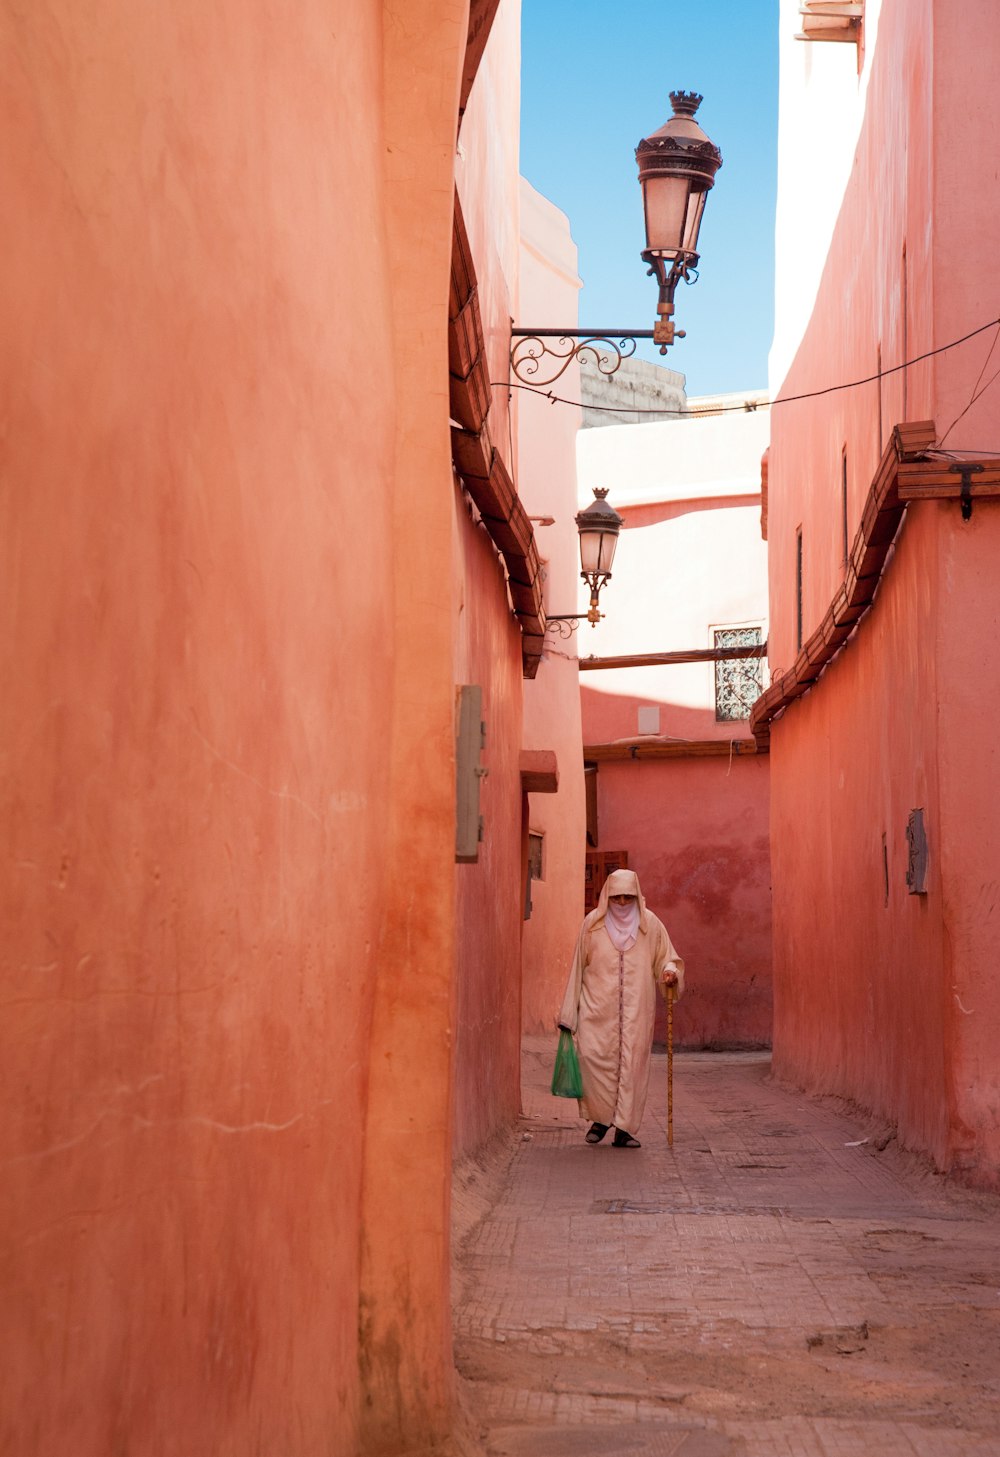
column 528, row 356
column 565, row 627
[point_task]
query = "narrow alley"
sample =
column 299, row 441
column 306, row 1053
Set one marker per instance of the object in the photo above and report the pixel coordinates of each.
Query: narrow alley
column 784, row 1282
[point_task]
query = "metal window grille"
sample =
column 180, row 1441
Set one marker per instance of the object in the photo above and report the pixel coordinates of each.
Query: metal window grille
column 738, row 681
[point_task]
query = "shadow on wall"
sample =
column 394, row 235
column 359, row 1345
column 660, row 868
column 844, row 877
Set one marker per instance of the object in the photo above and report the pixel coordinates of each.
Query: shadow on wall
column 657, row 511
column 608, row 716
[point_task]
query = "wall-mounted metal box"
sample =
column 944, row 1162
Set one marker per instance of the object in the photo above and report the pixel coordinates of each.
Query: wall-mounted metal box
column 916, row 862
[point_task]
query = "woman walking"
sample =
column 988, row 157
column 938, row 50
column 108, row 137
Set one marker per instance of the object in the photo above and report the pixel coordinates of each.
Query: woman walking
column 622, row 955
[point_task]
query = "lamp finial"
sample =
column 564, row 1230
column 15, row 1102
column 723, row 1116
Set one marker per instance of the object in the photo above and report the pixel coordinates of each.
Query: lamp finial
column 685, row 103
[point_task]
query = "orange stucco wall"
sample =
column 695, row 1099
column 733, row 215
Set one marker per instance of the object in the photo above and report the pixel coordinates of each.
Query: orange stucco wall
column 227, row 727
column 404, row 1327
column 886, row 997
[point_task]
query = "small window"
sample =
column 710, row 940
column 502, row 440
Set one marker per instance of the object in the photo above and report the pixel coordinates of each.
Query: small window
column 878, row 360
column 906, row 335
column 590, row 785
column 845, row 545
column 798, row 589
column 536, row 861
column 738, row 681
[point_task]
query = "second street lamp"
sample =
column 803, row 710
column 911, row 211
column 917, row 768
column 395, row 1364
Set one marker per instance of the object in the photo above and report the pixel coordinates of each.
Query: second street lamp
column 598, row 525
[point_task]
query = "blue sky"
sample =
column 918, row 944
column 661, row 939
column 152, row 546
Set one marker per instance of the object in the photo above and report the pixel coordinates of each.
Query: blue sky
column 596, row 78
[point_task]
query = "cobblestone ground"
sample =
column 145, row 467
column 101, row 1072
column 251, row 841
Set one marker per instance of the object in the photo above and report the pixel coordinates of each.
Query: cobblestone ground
column 781, row 1283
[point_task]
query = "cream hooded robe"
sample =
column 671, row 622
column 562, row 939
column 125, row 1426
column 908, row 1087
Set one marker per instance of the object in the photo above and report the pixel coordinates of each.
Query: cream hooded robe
column 610, row 1003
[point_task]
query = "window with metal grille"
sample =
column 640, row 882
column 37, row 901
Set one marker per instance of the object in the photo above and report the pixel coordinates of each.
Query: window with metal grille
column 738, row 681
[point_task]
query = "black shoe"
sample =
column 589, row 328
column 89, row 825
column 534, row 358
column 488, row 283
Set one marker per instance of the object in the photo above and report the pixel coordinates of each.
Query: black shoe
column 625, row 1140
column 596, row 1132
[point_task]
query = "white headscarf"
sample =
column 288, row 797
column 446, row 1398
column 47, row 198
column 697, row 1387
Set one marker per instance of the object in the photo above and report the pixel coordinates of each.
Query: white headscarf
column 621, row 922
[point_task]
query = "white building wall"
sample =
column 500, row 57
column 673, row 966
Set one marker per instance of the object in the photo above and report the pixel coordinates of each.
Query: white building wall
column 821, row 103
column 690, row 557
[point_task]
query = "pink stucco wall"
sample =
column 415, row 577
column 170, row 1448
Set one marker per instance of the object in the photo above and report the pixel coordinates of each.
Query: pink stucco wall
column 891, row 999
column 967, row 56
column 487, row 651
column 696, row 833
column 546, row 443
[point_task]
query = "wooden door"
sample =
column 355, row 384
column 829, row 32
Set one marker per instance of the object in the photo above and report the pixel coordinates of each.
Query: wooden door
column 600, row 864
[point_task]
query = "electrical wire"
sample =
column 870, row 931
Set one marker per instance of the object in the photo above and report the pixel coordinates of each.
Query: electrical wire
column 976, row 391
column 954, row 454
column 781, row 400
column 626, row 409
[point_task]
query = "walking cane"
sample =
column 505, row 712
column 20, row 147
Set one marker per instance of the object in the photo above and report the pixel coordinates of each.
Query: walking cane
column 670, row 1067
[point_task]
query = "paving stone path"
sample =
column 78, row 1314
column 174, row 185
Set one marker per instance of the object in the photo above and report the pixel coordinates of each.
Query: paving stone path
column 781, row 1283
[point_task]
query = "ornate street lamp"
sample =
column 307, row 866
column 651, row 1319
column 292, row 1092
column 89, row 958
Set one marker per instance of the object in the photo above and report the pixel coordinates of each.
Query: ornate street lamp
column 598, row 525
column 677, row 167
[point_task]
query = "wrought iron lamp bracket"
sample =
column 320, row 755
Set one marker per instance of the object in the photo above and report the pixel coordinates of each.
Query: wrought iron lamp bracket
column 534, row 361
column 566, row 623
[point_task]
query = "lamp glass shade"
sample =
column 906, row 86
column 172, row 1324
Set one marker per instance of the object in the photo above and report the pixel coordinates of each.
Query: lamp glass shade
column 598, row 525
column 666, row 204
column 692, row 223
column 597, row 550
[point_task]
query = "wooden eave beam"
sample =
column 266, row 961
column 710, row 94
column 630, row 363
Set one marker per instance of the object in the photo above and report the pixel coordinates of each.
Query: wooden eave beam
column 847, row 34
column 469, row 378
column 933, row 480
column 482, row 14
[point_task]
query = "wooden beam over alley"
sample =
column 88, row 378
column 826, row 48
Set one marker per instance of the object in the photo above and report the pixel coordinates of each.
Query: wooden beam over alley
column 683, row 655
column 671, row 749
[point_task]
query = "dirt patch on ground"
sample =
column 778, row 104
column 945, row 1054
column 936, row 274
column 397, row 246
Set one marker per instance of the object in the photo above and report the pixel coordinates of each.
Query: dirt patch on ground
column 700, row 1290
column 935, row 1373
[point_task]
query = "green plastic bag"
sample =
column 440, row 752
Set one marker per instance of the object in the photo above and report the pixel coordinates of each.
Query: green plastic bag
column 566, row 1080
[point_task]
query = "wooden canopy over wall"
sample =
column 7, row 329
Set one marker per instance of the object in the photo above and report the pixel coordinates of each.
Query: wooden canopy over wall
column 477, row 460
column 908, row 471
